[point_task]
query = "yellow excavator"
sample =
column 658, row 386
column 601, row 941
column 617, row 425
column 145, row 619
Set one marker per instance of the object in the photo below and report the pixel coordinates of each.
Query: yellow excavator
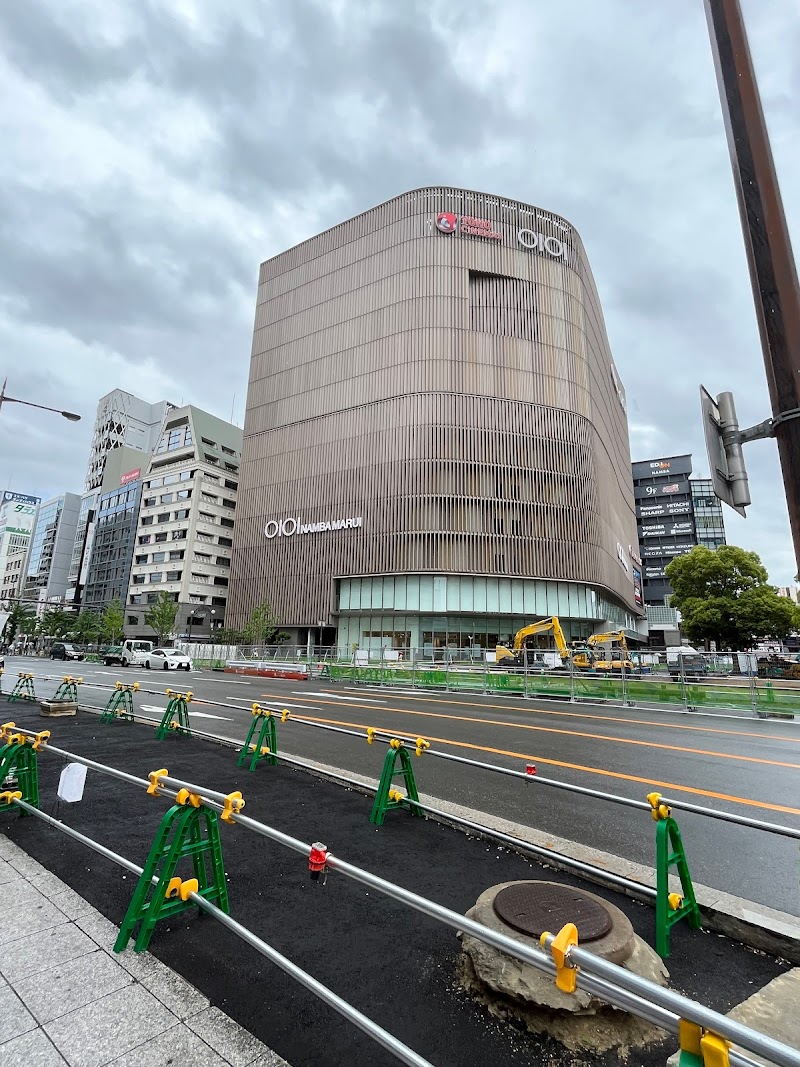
column 584, row 656
column 518, row 655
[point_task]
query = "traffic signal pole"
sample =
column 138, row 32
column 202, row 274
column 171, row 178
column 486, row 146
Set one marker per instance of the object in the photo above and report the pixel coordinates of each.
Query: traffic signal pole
column 773, row 273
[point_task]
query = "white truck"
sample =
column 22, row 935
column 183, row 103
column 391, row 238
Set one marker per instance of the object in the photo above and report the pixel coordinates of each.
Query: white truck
column 692, row 661
column 134, row 652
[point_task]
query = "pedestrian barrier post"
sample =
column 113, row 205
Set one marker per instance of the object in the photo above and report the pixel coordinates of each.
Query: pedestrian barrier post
column 120, row 703
column 189, row 830
column 68, row 690
column 670, row 907
column 19, row 767
column 266, row 747
column 701, row 1048
column 388, row 798
column 23, row 688
column 176, row 717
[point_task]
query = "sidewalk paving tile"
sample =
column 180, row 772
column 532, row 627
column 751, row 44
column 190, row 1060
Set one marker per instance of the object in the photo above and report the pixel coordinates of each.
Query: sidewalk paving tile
column 33, row 1049
column 67, row 986
column 178, row 1045
column 37, row 952
column 7, row 872
column 234, row 1044
column 36, row 913
column 28, row 866
column 174, row 992
column 96, row 1033
column 101, row 930
column 15, row 1019
column 64, row 898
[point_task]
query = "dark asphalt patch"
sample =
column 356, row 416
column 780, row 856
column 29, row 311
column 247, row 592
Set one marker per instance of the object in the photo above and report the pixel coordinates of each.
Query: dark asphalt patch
column 395, row 965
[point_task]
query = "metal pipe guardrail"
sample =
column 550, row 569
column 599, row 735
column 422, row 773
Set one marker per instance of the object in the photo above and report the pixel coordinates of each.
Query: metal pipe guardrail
column 606, row 980
column 681, row 805
column 756, row 824
column 374, row 1030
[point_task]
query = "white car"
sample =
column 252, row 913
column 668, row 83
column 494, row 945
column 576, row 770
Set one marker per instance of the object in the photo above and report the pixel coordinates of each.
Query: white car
column 167, row 659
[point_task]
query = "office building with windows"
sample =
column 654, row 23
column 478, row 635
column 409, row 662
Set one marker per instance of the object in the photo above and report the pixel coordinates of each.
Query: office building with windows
column 436, row 442
column 674, row 512
column 123, row 420
column 50, row 550
column 109, row 569
column 184, row 531
column 17, row 519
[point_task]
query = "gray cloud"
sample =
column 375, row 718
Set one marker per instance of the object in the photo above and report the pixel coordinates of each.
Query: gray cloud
column 156, row 152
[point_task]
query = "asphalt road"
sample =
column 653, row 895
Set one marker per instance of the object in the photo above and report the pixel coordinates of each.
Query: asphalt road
column 745, row 766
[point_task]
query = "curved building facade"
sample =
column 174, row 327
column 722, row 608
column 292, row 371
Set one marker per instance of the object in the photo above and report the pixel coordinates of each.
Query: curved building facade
column 436, row 444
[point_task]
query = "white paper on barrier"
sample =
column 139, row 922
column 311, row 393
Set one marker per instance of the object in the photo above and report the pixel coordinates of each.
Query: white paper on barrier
column 71, row 782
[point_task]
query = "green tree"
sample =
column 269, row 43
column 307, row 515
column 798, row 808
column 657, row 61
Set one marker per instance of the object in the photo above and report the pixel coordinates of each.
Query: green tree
column 56, row 622
column 263, row 626
column 161, row 615
column 113, row 622
column 226, row 636
column 20, row 620
column 87, row 627
column 724, row 596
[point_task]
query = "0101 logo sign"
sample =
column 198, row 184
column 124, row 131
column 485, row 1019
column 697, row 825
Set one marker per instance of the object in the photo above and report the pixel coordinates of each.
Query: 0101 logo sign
column 291, row 526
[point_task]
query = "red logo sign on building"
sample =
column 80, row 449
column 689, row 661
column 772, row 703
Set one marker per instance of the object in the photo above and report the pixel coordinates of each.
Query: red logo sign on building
column 131, row 476
column 446, row 221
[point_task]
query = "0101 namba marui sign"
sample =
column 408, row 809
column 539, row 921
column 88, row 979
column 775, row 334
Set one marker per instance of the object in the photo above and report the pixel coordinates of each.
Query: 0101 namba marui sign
column 291, row 526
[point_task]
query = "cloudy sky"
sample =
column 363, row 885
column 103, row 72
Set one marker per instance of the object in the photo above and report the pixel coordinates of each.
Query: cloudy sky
column 154, row 152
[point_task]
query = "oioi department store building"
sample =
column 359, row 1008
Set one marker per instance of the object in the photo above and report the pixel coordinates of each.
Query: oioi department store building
column 436, row 445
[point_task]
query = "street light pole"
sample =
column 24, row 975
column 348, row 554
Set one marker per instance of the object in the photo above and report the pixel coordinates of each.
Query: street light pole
column 70, row 415
column 773, row 274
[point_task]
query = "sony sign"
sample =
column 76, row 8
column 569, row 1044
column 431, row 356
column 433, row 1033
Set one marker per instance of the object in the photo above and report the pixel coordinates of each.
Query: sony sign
column 289, row 527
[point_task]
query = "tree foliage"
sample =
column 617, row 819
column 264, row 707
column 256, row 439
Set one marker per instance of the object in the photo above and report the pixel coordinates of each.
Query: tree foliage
column 56, row 622
column 21, row 619
column 87, row 627
column 113, row 622
column 161, row 615
column 263, row 627
column 724, row 596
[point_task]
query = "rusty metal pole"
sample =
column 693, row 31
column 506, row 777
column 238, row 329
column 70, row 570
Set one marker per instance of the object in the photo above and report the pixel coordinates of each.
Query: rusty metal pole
column 773, row 274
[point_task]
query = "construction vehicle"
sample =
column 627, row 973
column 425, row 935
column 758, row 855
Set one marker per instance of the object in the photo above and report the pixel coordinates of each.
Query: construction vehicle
column 586, row 656
column 778, row 667
column 519, row 655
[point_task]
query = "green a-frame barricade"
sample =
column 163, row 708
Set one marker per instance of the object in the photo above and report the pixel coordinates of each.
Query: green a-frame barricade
column 68, row 690
column 670, row 907
column 175, row 719
column 19, row 766
column 388, row 798
column 266, row 746
column 23, row 688
column 188, row 831
column 120, row 703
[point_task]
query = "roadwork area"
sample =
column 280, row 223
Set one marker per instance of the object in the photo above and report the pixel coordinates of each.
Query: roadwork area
column 398, row 967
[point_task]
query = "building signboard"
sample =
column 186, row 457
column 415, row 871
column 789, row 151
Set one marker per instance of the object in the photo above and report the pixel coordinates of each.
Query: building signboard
column 637, row 586
column 623, row 559
column 669, row 489
column 667, row 551
column 473, row 226
column 654, row 572
column 289, row 527
column 668, row 529
column 657, row 468
column 655, row 511
column 131, row 476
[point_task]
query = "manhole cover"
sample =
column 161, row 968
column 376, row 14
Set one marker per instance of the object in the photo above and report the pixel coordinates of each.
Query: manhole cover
column 533, row 907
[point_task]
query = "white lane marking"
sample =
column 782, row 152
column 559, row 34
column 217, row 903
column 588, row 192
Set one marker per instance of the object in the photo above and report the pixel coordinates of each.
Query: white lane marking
column 228, row 681
column 390, row 691
column 152, row 707
column 205, row 715
column 284, row 704
column 339, row 696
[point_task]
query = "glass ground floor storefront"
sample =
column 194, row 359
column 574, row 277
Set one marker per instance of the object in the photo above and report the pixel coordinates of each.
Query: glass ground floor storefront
column 433, row 613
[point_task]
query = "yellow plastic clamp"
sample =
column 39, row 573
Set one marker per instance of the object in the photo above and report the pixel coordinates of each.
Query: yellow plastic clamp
column 118, row 685
column 169, row 692
column 395, row 794
column 67, row 678
column 188, row 698
column 675, row 900
column 395, row 743
column 5, row 730
column 185, row 797
column 231, row 805
column 136, row 687
column 155, row 781
column 265, row 712
column 264, row 749
column 179, row 887
column 40, row 739
column 284, row 715
column 658, row 810
column 422, row 744
column 566, row 973
column 8, row 796
column 370, row 734
column 22, row 674
column 715, row 1050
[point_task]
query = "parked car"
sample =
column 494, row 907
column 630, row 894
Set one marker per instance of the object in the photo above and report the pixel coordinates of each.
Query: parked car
column 112, row 655
column 167, row 659
column 63, row 651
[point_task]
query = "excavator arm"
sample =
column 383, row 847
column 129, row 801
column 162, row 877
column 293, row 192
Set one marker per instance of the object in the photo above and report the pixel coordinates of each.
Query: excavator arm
column 552, row 625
